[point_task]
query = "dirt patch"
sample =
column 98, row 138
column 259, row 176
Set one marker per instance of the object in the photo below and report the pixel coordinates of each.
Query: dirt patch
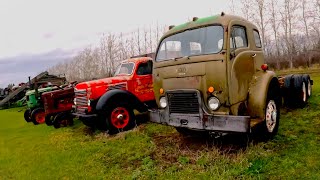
column 172, row 146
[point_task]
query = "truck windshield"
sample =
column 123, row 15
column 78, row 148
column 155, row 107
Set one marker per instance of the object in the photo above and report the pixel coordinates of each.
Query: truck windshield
column 124, row 69
column 206, row 40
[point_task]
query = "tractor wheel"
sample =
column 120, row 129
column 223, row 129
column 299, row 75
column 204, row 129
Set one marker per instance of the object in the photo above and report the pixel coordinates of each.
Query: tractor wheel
column 62, row 119
column 49, row 120
column 27, row 115
column 272, row 112
column 117, row 118
column 38, row 116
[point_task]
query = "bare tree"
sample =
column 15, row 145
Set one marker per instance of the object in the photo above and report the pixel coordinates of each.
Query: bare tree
column 261, row 18
column 246, row 9
column 275, row 25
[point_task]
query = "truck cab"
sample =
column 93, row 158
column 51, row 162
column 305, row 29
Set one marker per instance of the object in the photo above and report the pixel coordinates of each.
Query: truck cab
column 209, row 75
column 108, row 103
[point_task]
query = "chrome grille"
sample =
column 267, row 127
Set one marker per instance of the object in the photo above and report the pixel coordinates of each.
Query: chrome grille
column 80, row 92
column 118, row 86
column 81, row 99
column 183, row 102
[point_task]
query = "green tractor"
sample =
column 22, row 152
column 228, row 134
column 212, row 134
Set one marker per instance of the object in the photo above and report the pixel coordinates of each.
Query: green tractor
column 35, row 112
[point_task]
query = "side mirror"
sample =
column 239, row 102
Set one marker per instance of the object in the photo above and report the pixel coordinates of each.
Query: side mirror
column 232, row 54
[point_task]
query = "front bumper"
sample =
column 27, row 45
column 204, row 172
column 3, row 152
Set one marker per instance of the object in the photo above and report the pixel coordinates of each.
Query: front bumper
column 87, row 119
column 207, row 122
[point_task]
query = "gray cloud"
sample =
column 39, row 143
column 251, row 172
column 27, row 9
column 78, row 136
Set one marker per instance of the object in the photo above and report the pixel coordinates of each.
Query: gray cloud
column 17, row 69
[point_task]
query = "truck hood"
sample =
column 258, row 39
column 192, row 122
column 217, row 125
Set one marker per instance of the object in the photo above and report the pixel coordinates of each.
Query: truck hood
column 102, row 82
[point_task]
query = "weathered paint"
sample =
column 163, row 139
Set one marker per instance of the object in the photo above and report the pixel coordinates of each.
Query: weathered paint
column 232, row 78
column 139, row 85
column 32, row 100
column 58, row 101
column 258, row 93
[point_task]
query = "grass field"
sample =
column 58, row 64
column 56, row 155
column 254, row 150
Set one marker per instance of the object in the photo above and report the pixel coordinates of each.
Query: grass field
column 155, row 151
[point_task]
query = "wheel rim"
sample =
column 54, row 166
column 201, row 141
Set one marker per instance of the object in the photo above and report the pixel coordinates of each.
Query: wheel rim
column 40, row 117
column 304, row 92
column 271, row 115
column 120, row 117
column 309, row 88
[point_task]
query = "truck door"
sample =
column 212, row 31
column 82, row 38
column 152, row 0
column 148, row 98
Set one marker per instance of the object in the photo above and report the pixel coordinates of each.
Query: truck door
column 241, row 62
column 143, row 84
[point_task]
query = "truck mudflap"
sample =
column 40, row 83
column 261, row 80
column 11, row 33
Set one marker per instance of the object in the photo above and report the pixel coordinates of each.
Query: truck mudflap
column 218, row 123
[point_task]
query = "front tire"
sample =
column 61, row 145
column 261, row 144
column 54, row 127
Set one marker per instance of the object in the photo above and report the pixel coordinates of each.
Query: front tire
column 27, row 115
column 38, row 116
column 272, row 111
column 117, row 118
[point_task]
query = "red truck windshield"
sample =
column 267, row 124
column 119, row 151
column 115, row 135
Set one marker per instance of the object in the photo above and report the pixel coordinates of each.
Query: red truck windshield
column 124, row 69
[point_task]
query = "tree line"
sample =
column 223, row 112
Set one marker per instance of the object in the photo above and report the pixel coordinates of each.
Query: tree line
column 99, row 61
column 289, row 29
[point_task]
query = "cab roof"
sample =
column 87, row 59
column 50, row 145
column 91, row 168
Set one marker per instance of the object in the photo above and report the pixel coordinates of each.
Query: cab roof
column 222, row 19
column 137, row 60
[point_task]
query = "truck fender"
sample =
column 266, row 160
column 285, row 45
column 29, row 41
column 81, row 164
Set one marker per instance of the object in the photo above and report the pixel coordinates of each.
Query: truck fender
column 258, row 91
column 117, row 95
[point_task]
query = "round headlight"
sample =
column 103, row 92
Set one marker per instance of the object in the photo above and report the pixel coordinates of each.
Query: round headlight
column 163, row 102
column 214, row 103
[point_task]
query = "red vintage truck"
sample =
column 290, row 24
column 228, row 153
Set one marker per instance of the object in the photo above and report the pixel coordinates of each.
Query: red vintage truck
column 108, row 104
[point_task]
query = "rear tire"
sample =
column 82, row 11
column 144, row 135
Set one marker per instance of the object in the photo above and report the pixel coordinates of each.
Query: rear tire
column 300, row 89
column 38, row 116
column 62, row 119
column 307, row 80
column 27, row 115
column 49, row 120
column 117, row 118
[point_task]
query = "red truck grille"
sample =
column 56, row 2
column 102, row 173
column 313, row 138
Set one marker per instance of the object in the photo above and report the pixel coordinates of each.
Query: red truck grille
column 81, row 100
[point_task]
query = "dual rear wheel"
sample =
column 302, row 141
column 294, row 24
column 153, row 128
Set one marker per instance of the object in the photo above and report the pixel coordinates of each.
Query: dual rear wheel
column 297, row 90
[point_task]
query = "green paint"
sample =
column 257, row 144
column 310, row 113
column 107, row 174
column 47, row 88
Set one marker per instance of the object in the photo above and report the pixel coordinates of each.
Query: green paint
column 33, row 101
column 199, row 21
column 207, row 19
column 39, row 90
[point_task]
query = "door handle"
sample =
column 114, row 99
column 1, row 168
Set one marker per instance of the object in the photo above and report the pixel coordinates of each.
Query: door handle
column 254, row 55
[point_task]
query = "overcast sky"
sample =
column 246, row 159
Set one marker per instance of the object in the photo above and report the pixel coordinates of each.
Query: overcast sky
column 36, row 34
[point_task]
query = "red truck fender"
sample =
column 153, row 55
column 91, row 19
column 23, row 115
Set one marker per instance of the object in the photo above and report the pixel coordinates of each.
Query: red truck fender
column 118, row 95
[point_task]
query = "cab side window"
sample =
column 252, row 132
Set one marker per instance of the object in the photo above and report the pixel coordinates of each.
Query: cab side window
column 257, row 39
column 238, row 37
column 145, row 68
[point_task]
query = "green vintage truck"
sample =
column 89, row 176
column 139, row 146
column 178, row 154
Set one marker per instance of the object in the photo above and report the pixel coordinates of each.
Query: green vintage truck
column 209, row 76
